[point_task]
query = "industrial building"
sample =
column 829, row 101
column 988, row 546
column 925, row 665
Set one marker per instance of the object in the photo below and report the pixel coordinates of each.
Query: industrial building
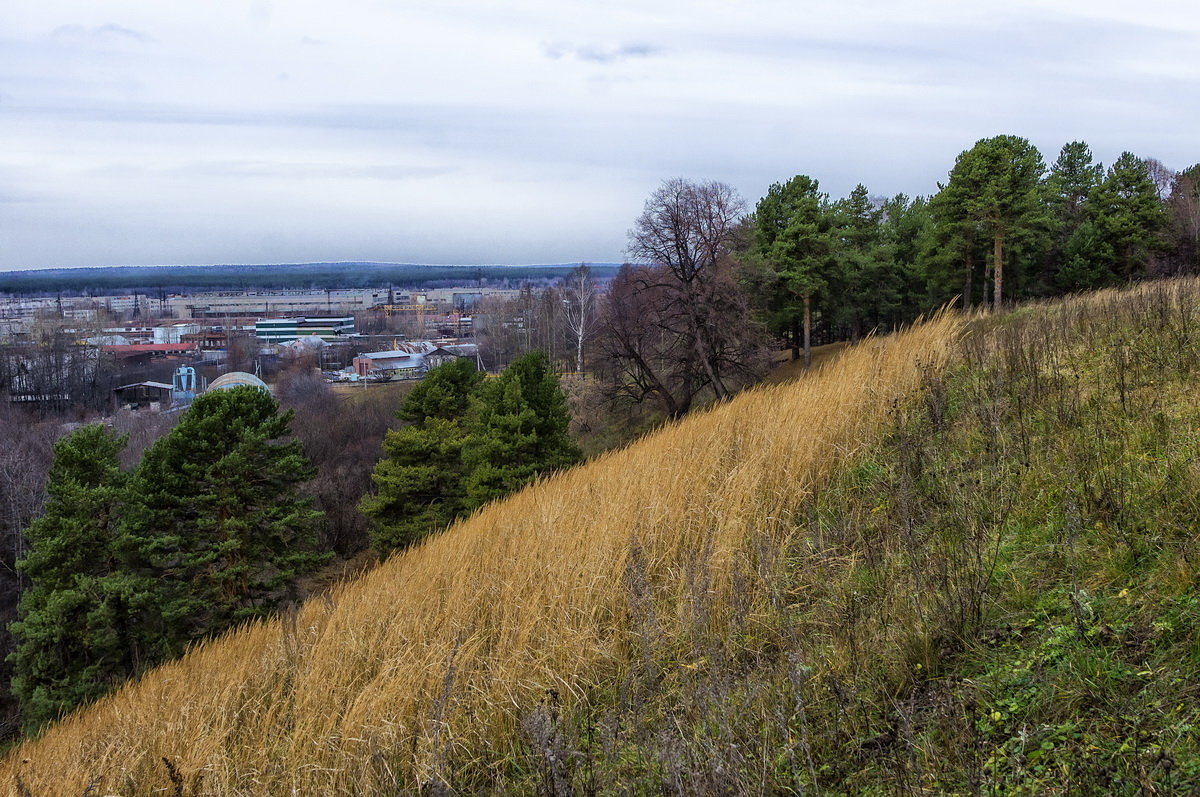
column 283, row 330
column 411, row 360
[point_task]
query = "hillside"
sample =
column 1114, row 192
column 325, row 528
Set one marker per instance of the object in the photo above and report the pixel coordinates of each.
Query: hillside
column 958, row 559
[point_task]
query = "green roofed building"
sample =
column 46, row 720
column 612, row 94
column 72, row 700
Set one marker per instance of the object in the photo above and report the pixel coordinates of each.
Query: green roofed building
column 283, row 330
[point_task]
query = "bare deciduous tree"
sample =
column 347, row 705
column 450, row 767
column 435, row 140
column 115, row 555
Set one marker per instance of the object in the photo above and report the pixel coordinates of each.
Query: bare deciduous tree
column 687, row 232
column 643, row 357
column 579, row 293
column 24, row 462
column 342, row 437
column 1162, row 177
column 689, row 229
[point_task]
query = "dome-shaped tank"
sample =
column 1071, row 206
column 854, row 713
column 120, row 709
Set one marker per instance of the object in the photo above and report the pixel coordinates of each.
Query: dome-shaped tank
column 237, row 379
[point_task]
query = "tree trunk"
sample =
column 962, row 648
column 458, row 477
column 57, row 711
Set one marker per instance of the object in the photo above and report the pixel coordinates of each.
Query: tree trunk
column 795, row 337
column 579, row 347
column 703, row 350
column 967, row 287
column 807, row 331
column 998, row 270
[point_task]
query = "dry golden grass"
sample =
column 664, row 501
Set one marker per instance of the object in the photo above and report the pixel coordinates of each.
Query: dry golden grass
column 787, row 369
column 434, row 656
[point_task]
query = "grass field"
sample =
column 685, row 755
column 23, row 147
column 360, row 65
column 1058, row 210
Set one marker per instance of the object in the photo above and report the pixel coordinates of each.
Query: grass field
column 958, row 560
column 426, row 670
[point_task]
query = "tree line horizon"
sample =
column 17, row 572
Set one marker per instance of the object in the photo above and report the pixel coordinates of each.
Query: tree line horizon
column 1003, row 227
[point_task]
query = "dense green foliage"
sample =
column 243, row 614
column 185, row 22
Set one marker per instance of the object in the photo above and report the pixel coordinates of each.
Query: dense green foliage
column 468, row 442
column 419, row 480
column 795, row 236
column 72, row 641
column 125, row 570
column 216, row 504
column 993, row 192
column 1001, row 226
column 517, row 430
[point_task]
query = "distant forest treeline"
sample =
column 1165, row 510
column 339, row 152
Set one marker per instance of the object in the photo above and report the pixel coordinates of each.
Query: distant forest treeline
column 178, row 279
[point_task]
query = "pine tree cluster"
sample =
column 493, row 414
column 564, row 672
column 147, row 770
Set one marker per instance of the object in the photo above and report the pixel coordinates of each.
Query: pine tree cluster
column 1003, row 227
column 469, row 441
column 125, row 570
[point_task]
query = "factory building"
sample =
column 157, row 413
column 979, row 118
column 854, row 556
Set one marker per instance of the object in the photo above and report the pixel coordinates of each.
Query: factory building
column 284, row 330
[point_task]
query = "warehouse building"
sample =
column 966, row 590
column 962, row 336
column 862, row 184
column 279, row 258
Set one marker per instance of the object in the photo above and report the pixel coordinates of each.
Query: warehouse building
column 284, row 330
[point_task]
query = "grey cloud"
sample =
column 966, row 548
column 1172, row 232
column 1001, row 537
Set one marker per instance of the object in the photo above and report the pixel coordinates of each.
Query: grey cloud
column 102, row 33
column 599, row 55
column 438, row 123
column 309, row 171
column 950, row 52
column 261, row 12
column 20, row 185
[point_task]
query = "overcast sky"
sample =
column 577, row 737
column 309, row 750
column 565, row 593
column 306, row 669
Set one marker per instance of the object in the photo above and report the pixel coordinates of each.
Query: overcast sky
column 249, row 131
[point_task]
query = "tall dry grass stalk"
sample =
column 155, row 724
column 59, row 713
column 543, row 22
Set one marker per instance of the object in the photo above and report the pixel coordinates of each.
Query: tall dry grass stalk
column 425, row 666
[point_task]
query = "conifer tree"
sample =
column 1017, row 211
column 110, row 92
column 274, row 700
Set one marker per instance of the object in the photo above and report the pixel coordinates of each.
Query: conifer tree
column 217, row 516
column 419, row 481
column 445, row 393
column 517, row 430
column 72, row 631
column 1072, row 178
column 794, row 232
column 869, row 284
column 1127, row 217
column 905, row 228
column 994, row 191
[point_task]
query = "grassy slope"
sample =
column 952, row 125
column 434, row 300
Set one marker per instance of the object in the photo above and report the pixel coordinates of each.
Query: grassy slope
column 455, row 663
column 787, row 369
column 997, row 595
column 898, row 576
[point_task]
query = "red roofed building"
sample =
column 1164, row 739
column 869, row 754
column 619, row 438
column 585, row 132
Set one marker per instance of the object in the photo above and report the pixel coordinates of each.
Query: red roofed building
column 151, row 349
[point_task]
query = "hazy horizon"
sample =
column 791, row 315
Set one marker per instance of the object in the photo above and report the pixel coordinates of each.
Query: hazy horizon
column 316, row 263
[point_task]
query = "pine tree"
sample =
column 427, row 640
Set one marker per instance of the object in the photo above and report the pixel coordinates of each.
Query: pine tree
column 71, row 628
column 1072, row 178
column 870, row 285
column 1128, row 218
column 794, row 230
column 994, row 192
column 217, row 516
column 517, row 430
column 419, row 481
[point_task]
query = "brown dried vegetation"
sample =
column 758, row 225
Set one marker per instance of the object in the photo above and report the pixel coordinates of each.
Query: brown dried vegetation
column 452, row 665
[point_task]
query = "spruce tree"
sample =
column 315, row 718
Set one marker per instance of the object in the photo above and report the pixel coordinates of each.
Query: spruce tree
column 1128, row 218
column 419, row 481
column 906, row 226
column 72, row 640
column 870, row 285
column 517, row 430
column 468, row 442
column 1072, row 178
column 217, row 516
